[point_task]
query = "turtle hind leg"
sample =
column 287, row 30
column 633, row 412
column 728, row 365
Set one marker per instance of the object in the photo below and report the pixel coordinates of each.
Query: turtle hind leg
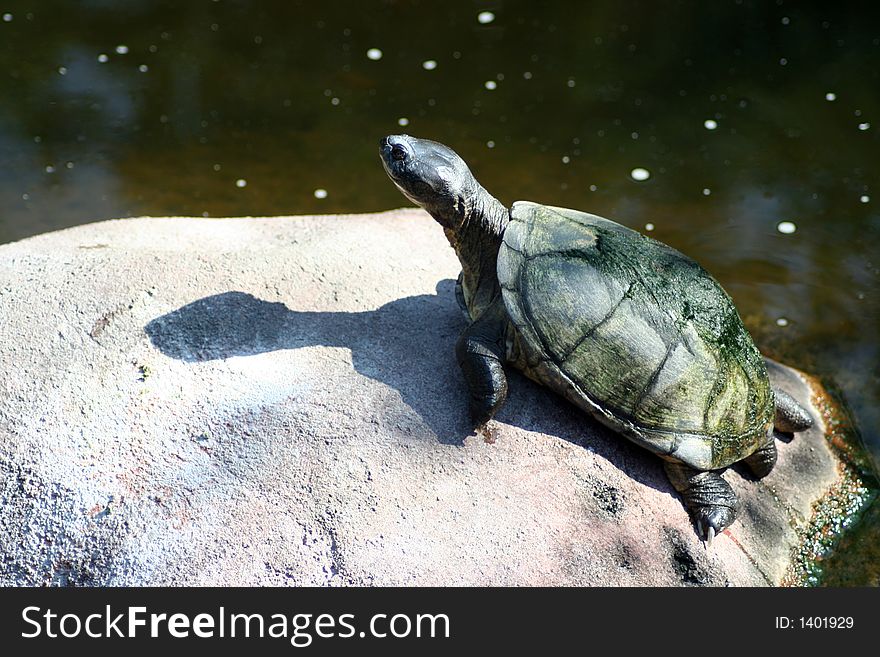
column 762, row 460
column 710, row 500
column 790, row 415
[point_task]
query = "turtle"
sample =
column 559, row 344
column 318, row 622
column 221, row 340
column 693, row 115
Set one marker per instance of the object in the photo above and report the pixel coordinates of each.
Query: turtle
column 625, row 327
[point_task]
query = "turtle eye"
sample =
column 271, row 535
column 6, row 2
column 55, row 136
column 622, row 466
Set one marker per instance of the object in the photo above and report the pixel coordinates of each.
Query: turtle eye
column 398, row 153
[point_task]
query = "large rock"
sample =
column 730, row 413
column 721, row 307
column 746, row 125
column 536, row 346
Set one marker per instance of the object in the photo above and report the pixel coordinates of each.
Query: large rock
column 275, row 401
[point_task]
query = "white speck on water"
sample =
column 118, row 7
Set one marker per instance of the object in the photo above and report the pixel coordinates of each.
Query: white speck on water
column 782, row 322
column 491, row 84
column 62, row 70
column 527, row 75
column 50, row 169
column 710, row 124
column 485, row 17
column 163, row 118
column 864, row 126
column 143, row 68
column 429, row 64
column 69, row 165
column 153, row 48
column 121, row 49
column 38, row 139
column 334, row 101
column 570, row 82
column 786, row 20
column 783, row 61
column 593, row 188
column 103, row 58
column 566, row 159
column 649, row 227
column 320, row 193
column 241, row 182
column 786, row 227
column 490, row 144
column 217, row 167
column 639, row 174
column 7, row 18
column 25, row 196
column 634, row 135
column 864, row 198
column 375, row 54
column 831, row 96
column 403, row 121
column 706, row 191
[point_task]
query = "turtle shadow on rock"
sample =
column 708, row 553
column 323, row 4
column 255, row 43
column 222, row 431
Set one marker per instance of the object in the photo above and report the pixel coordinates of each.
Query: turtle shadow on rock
column 406, row 344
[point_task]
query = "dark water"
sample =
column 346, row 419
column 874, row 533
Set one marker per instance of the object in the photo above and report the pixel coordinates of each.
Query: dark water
column 745, row 114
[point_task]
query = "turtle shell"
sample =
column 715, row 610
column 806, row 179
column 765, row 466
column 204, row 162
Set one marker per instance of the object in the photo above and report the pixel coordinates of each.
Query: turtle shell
column 634, row 332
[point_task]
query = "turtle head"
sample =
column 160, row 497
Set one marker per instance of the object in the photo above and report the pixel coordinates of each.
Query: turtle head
column 430, row 175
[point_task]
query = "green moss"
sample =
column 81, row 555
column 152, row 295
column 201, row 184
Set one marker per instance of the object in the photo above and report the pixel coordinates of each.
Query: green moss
column 840, row 510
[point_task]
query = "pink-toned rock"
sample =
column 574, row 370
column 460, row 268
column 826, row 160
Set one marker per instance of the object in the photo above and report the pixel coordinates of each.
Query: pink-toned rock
column 275, row 401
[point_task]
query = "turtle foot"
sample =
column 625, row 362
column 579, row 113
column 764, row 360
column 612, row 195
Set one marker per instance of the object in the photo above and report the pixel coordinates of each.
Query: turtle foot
column 761, row 462
column 488, row 431
column 711, row 521
column 711, row 501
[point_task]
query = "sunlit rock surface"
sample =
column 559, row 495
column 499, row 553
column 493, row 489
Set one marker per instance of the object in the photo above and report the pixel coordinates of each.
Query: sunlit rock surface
column 276, row 401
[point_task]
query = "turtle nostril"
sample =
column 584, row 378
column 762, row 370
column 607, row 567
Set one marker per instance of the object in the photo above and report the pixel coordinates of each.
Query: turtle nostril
column 398, row 152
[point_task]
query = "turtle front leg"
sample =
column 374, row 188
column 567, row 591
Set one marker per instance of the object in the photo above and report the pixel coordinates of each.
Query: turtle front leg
column 459, row 296
column 790, row 416
column 480, row 352
column 711, row 501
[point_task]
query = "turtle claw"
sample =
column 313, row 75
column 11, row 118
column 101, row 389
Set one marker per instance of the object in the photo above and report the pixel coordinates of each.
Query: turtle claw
column 709, row 536
column 706, row 532
column 488, row 431
column 711, row 521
